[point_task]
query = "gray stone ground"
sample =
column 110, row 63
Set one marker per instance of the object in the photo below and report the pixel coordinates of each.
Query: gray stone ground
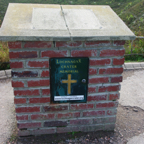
column 132, row 94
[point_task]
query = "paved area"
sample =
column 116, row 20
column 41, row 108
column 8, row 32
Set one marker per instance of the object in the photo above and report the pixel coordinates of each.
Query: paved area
column 132, row 94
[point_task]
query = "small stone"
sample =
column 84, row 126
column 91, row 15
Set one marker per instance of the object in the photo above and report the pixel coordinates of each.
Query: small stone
column 135, row 110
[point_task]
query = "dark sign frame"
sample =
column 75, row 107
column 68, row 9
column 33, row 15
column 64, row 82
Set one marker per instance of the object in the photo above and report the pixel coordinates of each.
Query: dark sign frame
column 62, row 78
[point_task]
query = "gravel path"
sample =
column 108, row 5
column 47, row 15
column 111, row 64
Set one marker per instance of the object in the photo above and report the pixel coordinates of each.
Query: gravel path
column 7, row 116
column 132, row 89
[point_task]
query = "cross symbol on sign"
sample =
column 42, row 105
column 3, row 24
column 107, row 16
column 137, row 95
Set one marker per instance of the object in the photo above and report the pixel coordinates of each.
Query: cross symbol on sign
column 69, row 81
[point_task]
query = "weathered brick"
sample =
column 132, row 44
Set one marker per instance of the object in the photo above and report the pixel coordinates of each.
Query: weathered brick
column 55, row 123
column 110, row 52
column 107, row 105
column 16, row 74
column 81, row 106
column 35, row 83
column 93, row 113
column 54, row 53
column 16, row 65
column 24, row 132
column 17, row 84
column 118, row 61
column 45, row 92
column 110, row 127
column 20, row 100
column 68, row 115
column 32, row 92
column 23, row 54
column 43, row 131
column 111, row 112
column 42, row 116
column 37, row 64
column 69, row 44
column 98, row 80
column 97, row 98
column 38, row 44
column 39, row 100
column 91, row 89
column 119, row 43
column 29, row 125
column 45, row 73
column 97, row 43
column 95, row 62
column 83, row 53
column 21, row 117
column 68, row 129
column 55, row 108
column 14, row 45
column 109, row 88
column 104, row 120
column 116, row 79
column 92, row 71
column 110, row 70
column 27, row 109
column 113, row 96
column 80, row 122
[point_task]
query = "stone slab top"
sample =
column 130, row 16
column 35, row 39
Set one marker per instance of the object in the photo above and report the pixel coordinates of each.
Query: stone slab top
column 45, row 22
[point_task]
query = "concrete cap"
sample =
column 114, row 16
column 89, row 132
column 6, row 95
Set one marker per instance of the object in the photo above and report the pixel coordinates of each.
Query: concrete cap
column 42, row 22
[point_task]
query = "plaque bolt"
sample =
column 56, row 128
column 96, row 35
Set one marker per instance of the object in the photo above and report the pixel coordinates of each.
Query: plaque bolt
column 83, row 80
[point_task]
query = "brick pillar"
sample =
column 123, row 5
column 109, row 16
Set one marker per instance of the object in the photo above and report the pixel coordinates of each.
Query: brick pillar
column 30, row 79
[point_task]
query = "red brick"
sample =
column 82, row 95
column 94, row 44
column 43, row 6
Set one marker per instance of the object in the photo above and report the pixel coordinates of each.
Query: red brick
column 34, row 92
column 119, row 43
column 111, row 112
column 116, row 79
column 93, row 113
column 38, row 44
column 22, row 117
column 28, row 125
column 81, row 106
column 97, row 43
column 17, row 74
column 14, row 45
column 92, row 71
column 27, row 109
column 110, row 70
column 38, row 83
column 104, row 120
column 38, row 64
column 110, row 52
column 17, row 84
column 16, row 64
column 83, row 53
column 54, row 53
column 68, row 44
column 100, row 62
column 24, row 54
column 68, row 115
column 118, row 61
column 80, row 122
column 45, row 73
column 39, row 100
column 20, row 100
column 109, row 88
column 42, row 116
column 91, row 89
column 55, row 108
column 97, row 98
column 98, row 80
column 113, row 96
column 55, row 123
column 45, row 92
column 107, row 105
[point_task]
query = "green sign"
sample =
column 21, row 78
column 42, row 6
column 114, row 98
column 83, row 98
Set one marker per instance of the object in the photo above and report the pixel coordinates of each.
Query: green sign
column 69, row 79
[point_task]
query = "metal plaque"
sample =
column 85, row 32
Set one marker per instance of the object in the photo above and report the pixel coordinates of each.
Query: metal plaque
column 69, row 79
